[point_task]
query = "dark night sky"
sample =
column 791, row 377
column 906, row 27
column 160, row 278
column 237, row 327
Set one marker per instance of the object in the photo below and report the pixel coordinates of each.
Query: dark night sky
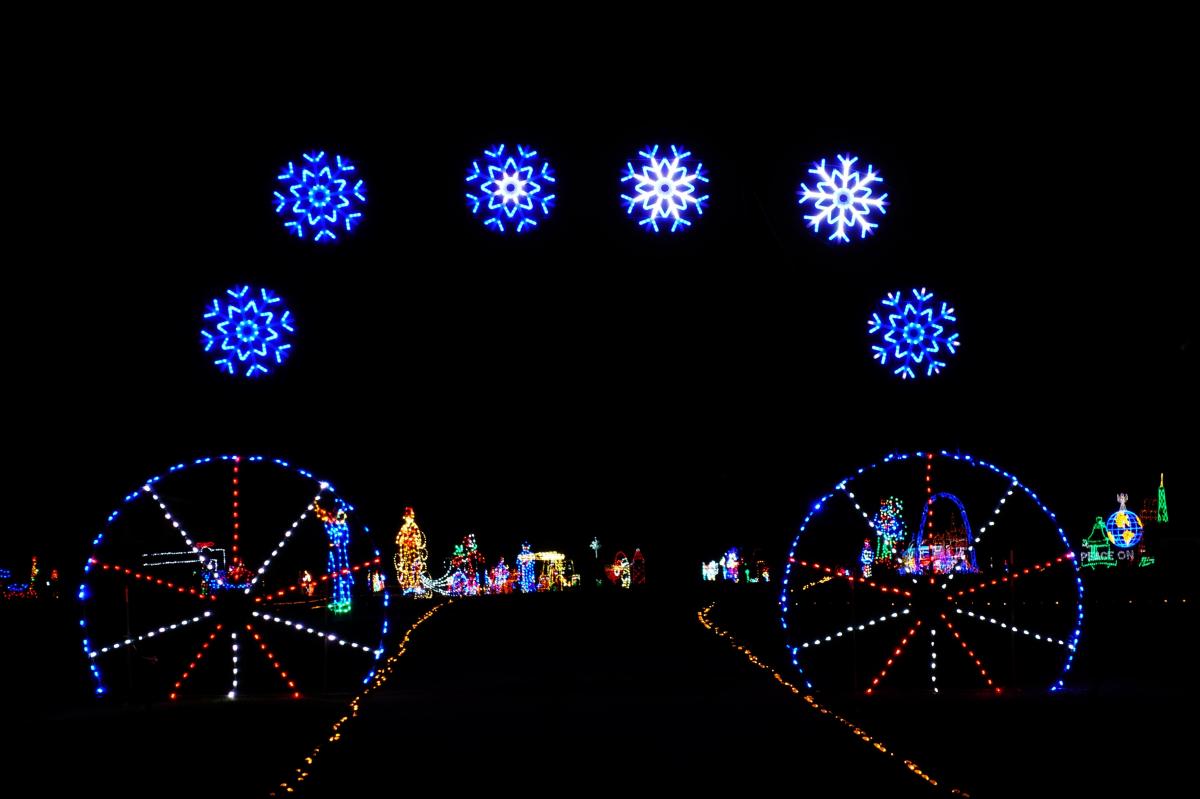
column 682, row 392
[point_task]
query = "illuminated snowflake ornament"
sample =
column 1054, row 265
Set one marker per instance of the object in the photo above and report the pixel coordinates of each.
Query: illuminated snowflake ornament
column 247, row 331
column 663, row 189
column 510, row 193
column 917, row 332
column 843, row 199
column 320, row 197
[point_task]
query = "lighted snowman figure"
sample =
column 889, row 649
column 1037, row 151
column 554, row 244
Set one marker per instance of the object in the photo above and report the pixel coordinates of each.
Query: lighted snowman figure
column 1124, row 528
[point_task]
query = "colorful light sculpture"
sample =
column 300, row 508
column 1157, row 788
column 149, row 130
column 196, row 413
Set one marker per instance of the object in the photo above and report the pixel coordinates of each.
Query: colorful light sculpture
column 526, row 575
column 1161, row 514
column 916, row 332
column 709, row 571
column 844, row 199
column 320, row 197
column 637, row 568
column 339, row 559
column 730, row 563
column 248, row 331
column 1097, row 549
column 663, row 190
column 511, row 190
column 1124, row 527
column 411, row 555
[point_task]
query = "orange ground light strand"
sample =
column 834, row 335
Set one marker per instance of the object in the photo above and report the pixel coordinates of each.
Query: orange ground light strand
column 381, row 676
column 270, row 656
column 152, row 580
column 823, row 710
column 196, row 658
column 899, row 650
column 970, row 653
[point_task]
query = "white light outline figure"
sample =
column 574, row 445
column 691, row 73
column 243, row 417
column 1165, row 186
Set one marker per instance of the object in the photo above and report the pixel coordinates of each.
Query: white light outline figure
column 843, row 199
column 664, row 189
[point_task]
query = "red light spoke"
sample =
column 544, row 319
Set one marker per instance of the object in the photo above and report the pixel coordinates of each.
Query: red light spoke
column 1034, row 569
column 237, row 459
column 270, row 656
column 970, row 653
column 195, row 661
column 899, row 650
column 323, row 578
column 166, row 584
column 863, row 580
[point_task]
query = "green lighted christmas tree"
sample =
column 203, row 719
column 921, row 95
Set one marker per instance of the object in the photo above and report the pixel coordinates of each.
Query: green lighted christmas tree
column 1161, row 516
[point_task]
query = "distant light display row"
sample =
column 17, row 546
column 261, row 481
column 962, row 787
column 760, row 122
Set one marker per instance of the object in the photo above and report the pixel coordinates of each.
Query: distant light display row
column 248, row 331
column 321, row 197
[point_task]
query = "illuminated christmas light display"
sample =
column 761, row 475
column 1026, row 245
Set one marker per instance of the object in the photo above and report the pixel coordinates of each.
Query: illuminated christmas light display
column 637, row 568
column 709, row 571
column 204, row 601
column 526, row 570
column 950, row 576
column 1161, row 514
column 338, row 533
column 501, row 584
column 619, row 571
column 663, row 190
column 247, row 332
column 916, row 332
column 511, row 190
column 730, row 563
column 867, row 558
column 705, row 618
column 888, row 523
column 411, row 555
column 320, row 197
column 844, row 199
column 595, row 547
column 1097, row 549
column 1124, row 527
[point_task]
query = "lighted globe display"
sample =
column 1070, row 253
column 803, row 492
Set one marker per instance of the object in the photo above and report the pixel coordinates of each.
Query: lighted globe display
column 1124, row 529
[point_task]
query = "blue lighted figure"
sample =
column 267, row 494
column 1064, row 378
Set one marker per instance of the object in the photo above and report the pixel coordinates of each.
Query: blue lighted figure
column 526, row 577
column 662, row 189
column 913, row 333
column 248, row 331
column 510, row 192
column 320, row 197
column 843, row 199
column 338, row 532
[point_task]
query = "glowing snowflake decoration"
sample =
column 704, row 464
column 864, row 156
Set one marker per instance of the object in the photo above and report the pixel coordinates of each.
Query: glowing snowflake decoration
column 248, row 331
column 515, row 190
column 914, row 332
column 320, row 197
column 843, row 199
column 664, row 189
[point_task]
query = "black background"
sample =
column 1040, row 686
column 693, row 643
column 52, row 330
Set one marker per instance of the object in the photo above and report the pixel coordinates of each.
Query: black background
column 682, row 392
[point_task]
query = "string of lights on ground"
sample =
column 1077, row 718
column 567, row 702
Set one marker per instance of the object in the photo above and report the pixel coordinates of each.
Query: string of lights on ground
column 704, row 617
column 381, row 676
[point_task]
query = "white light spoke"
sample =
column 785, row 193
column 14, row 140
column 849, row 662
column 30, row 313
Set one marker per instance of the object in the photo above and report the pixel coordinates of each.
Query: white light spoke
column 1050, row 639
column 983, row 528
column 287, row 536
column 318, row 633
column 172, row 520
column 856, row 627
column 166, row 628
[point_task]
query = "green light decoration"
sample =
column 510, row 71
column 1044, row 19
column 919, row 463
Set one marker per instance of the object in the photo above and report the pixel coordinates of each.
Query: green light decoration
column 1161, row 516
column 1097, row 549
column 1147, row 560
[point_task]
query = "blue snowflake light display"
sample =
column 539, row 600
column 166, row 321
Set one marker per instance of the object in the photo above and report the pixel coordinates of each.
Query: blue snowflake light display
column 247, row 331
column 915, row 332
column 843, row 199
column 510, row 193
column 320, row 197
column 663, row 189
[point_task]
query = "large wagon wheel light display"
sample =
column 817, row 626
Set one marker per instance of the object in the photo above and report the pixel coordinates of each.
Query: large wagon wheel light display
column 888, row 586
column 231, row 575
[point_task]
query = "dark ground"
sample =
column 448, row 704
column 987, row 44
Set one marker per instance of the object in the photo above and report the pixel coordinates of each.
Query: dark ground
column 615, row 690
